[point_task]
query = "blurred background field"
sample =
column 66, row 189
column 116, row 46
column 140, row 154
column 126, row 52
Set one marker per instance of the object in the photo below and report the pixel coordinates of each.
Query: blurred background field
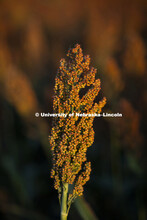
column 34, row 36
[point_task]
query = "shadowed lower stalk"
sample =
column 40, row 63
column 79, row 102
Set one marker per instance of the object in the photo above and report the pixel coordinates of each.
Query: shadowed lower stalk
column 72, row 134
column 64, row 211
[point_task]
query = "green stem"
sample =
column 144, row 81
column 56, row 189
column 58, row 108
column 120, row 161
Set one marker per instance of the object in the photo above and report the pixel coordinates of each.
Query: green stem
column 64, row 202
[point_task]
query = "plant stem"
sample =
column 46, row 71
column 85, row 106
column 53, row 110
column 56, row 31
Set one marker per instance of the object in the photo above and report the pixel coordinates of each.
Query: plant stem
column 64, row 202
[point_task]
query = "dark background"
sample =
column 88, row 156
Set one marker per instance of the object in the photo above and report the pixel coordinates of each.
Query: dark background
column 34, row 36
